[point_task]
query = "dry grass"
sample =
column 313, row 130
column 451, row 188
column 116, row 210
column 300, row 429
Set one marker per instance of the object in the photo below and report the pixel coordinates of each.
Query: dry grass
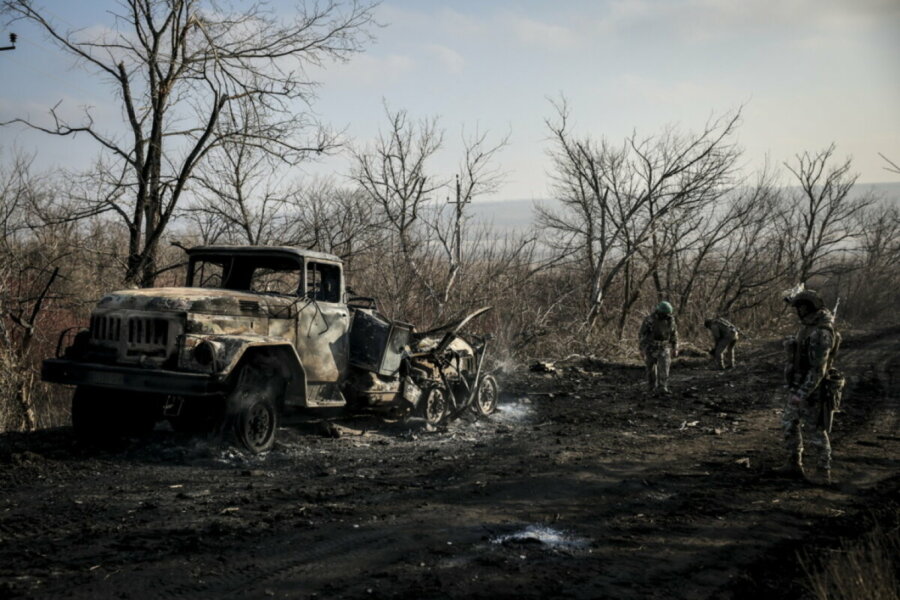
column 865, row 568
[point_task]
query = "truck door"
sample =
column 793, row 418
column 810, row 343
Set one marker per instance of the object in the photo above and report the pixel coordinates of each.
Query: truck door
column 323, row 324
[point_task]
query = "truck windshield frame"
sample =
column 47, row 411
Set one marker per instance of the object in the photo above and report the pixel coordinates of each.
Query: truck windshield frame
column 282, row 275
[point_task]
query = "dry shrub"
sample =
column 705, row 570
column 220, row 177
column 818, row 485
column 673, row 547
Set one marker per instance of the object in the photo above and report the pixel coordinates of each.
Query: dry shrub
column 864, row 568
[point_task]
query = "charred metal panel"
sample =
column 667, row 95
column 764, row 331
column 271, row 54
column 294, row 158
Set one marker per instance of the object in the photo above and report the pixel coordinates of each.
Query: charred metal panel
column 376, row 343
column 282, row 329
column 322, row 340
column 223, row 324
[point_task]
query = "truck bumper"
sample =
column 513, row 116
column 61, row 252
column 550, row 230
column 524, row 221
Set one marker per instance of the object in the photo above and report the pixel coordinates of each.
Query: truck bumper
column 176, row 383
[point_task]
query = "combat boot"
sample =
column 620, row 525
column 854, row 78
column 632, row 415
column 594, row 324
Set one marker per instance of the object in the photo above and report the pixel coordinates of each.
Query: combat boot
column 823, row 477
column 792, row 468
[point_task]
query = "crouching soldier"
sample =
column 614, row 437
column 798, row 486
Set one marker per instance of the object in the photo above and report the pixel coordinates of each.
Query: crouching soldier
column 814, row 387
column 725, row 337
column 658, row 334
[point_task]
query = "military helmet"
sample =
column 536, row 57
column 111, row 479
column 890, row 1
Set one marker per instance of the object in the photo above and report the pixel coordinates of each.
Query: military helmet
column 810, row 297
column 664, row 308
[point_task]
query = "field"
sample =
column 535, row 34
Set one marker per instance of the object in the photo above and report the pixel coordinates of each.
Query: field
column 582, row 486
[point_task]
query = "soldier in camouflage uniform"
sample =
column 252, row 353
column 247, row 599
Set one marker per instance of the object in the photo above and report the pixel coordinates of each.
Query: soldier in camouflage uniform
column 725, row 336
column 813, row 386
column 658, row 334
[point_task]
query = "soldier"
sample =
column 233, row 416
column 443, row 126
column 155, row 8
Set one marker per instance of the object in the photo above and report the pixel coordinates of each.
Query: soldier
column 814, row 388
column 657, row 335
column 725, row 336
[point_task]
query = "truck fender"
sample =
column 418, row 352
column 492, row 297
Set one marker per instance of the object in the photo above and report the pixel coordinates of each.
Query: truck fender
column 280, row 355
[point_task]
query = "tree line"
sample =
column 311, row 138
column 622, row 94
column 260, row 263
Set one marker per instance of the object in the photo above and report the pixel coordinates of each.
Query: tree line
column 216, row 108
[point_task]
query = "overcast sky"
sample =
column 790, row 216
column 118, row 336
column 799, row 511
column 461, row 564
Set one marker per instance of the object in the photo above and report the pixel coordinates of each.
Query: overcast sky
column 807, row 72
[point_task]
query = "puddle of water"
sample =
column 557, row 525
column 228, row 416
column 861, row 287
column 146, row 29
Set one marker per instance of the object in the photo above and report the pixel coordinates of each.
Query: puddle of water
column 546, row 536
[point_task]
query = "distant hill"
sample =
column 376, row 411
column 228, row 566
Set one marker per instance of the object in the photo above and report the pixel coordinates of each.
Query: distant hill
column 507, row 215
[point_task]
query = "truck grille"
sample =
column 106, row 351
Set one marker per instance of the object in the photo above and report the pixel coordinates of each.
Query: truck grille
column 139, row 330
column 132, row 336
column 143, row 331
column 106, row 328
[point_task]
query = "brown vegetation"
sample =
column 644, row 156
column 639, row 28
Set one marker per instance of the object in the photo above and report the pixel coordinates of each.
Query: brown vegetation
column 669, row 215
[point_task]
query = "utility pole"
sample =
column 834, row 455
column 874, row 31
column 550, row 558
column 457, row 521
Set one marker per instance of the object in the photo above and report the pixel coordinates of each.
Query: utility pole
column 457, row 226
column 12, row 40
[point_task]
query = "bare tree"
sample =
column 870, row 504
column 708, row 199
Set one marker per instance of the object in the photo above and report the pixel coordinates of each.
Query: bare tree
column 478, row 174
column 324, row 216
column 394, row 173
column 177, row 66
column 823, row 216
column 872, row 288
column 892, row 166
column 28, row 270
column 614, row 200
column 237, row 198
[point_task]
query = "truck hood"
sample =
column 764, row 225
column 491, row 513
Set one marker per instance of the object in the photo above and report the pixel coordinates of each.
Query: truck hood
column 198, row 300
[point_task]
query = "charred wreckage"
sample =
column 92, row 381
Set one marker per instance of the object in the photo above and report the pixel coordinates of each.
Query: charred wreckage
column 257, row 329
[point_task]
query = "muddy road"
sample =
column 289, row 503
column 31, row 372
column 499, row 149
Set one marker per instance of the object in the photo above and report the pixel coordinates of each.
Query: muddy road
column 582, row 486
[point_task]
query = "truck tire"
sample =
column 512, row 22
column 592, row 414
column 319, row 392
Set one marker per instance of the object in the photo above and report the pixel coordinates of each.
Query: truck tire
column 252, row 413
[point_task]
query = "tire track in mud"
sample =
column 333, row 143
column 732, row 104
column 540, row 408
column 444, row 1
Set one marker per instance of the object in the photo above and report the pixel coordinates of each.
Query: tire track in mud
column 16, row 526
column 278, row 564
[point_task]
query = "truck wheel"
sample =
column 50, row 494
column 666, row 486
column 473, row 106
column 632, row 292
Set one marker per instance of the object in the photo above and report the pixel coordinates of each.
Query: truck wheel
column 252, row 408
column 435, row 406
column 487, row 395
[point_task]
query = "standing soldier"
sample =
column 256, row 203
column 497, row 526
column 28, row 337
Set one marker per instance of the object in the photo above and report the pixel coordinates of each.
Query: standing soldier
column 725, row 336
column 814, row 388
column 657, row 335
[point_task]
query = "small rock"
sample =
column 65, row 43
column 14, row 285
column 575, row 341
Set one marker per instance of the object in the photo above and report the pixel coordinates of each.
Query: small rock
column 326, row 429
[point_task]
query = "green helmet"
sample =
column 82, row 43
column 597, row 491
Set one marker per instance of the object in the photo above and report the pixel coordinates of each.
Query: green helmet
column 810, row 297
column 664, row 308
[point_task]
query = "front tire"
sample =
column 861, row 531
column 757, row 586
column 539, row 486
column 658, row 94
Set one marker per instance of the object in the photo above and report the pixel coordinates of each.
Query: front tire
column 252, row 408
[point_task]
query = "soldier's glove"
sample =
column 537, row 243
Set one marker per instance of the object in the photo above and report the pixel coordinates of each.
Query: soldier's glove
column 795, row 399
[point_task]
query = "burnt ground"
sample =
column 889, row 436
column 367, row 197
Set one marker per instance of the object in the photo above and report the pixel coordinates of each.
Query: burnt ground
column 582, row 486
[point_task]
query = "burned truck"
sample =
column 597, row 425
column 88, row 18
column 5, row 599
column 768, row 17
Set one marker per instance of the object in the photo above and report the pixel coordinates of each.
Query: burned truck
column 257, row 329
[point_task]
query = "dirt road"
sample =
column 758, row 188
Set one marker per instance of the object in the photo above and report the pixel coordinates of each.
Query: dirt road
column 582, row 486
